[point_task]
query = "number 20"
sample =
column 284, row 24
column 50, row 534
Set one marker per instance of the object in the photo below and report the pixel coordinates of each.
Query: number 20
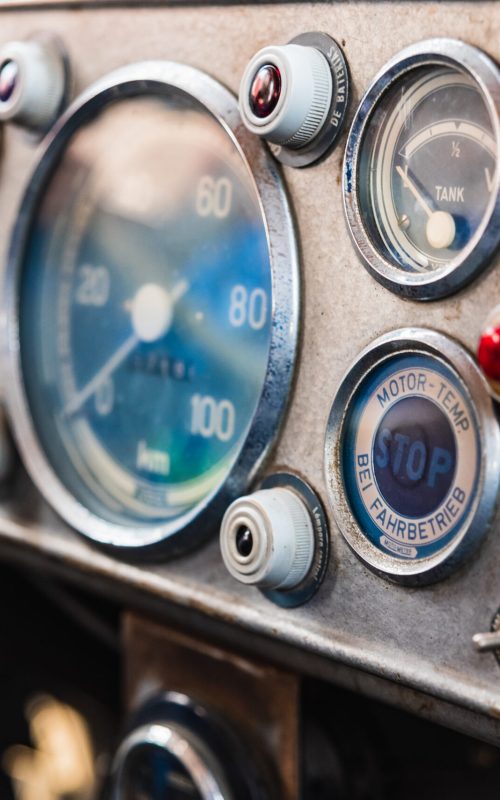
column 93, row 288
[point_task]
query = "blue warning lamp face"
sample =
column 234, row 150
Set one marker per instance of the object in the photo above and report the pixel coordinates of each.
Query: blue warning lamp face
column 411, row 456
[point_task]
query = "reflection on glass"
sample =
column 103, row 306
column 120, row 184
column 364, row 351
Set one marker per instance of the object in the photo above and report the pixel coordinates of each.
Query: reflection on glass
column 152, row 773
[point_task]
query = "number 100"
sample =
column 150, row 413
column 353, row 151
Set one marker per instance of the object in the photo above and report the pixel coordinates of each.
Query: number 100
column 210, row 417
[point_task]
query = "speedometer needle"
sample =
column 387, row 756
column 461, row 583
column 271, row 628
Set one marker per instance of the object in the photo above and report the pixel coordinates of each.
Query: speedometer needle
column 440, row 229
column 109, row 367
column 152, row 312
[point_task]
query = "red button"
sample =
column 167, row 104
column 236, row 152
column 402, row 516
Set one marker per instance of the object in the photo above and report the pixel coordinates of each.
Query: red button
column 488, row 353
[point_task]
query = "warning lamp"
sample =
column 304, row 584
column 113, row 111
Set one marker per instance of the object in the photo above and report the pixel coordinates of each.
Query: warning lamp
column 286, row 93
column 488, row 351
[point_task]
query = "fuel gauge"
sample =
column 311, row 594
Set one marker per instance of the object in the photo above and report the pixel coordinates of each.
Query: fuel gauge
column 421, row 177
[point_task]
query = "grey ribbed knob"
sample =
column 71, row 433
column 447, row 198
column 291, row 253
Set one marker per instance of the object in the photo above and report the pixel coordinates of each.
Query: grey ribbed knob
column 32, row 83
column 285, row 94
column 267, row 539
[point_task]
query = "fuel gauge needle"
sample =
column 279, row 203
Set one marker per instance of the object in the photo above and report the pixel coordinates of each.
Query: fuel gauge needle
column 440, row 228
column 408, row 184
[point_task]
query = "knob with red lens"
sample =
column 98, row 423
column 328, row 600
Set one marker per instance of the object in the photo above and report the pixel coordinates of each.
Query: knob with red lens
column 285, row 94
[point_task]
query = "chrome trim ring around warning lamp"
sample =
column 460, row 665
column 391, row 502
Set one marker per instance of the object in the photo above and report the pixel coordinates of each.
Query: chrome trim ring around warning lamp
column 412, row 456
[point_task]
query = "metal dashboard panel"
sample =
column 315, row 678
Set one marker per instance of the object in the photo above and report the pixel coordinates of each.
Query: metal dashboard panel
column 418, row 638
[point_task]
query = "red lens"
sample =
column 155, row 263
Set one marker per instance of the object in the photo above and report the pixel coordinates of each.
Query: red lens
column 488, row 353
column 9, row 72
column 265, row 90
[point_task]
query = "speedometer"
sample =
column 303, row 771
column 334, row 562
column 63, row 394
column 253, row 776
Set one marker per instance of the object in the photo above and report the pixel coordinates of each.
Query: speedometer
column 153, row 289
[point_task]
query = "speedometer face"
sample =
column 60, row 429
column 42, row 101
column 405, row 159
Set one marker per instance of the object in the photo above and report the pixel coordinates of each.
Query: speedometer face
column 146, row 310
column 426, row 174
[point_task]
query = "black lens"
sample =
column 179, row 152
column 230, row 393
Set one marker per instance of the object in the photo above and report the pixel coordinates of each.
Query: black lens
column 244, row 541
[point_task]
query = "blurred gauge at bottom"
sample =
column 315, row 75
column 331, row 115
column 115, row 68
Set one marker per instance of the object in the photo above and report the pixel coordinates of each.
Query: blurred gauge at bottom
column 179, row 750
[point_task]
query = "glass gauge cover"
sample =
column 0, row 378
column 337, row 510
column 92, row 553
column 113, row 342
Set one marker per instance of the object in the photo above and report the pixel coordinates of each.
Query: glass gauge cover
column 411, row 455
column 156, row 773
column 146, row 298
column 422, row 161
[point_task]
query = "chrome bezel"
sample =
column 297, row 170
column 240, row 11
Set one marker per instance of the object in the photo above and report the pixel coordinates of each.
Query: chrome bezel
column 195, row 757
column 461, row 270
column 477, row 522
column 196, row 524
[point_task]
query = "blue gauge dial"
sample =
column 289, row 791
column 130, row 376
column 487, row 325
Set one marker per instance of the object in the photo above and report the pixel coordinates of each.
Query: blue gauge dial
column 411, row 456
column 146, row 309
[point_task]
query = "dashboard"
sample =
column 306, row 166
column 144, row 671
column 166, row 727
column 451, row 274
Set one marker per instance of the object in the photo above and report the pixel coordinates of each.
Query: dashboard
column 251, row 330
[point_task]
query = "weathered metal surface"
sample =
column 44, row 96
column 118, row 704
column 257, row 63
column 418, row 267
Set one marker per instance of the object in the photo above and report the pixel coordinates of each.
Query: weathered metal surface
column 358, row 629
